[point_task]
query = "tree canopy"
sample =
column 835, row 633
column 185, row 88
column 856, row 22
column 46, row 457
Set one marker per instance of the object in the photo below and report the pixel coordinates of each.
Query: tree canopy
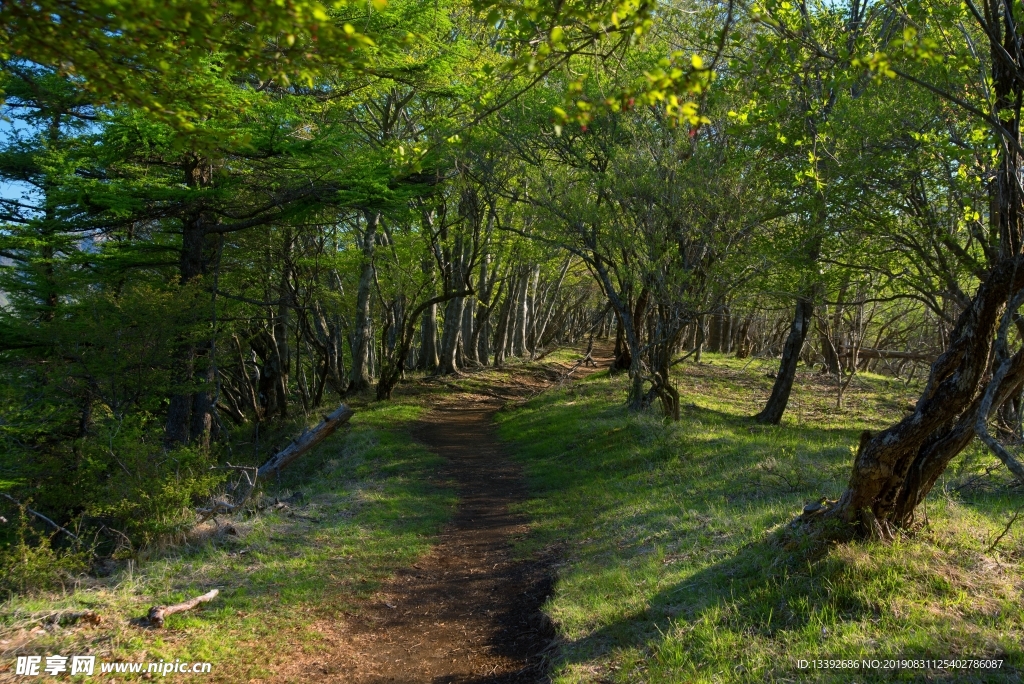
column 220, row 216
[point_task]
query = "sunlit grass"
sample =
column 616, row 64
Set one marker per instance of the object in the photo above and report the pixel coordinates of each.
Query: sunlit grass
column 370, row 505
column 673, row 566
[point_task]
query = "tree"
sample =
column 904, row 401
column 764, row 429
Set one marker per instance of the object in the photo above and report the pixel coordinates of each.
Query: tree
column 896, row 468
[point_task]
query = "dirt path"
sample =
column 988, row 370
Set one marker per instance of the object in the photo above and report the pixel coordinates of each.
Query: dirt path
column 470, row 611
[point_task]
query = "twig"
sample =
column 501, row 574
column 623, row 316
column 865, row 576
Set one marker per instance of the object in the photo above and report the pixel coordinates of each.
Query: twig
column 217, row 507
column 1003, row 533
column 118, row 533
column 41, row 517
column 686, row 356
column 965, row 485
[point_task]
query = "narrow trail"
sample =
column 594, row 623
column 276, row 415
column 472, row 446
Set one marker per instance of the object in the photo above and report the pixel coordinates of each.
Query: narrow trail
column 469, row 612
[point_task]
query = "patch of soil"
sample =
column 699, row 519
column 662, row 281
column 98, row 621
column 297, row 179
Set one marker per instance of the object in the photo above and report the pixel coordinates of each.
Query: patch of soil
column 468, row 613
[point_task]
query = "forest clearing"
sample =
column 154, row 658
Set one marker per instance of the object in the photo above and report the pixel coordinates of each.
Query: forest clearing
column 471, row 341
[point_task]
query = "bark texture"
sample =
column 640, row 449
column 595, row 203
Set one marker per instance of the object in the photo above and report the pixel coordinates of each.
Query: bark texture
column 362, row 336
column 777, row 402
column 876, row 496
column 306, row 441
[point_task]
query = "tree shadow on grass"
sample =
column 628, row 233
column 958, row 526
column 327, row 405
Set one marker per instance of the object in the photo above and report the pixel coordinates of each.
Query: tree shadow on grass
column 754, row 615
column 630, row 490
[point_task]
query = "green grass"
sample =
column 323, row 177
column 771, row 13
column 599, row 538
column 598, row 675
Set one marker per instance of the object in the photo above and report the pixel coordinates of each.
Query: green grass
column 371, row 505
column 674, row 565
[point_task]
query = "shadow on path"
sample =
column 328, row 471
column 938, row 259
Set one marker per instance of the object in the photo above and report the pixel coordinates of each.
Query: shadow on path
column 469, row 612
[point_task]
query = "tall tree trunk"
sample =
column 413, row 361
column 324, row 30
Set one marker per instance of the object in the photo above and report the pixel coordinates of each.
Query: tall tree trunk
column 530, row 334
column 330, row 333
column 715, row 336
column 182, row 426
column 825, row 341
column 668, row 327
column 776, row 406
column 742, row 338
column 282, row 322
column 452, row 333
column 504, row 325
column 429, row 357
column 362, row 336
column 468, row 349
column 485, row 327
column 628, row 319
column 479, row 342
column 450, row 336
column 623, row 359
column 546, row 319
column 521, row 313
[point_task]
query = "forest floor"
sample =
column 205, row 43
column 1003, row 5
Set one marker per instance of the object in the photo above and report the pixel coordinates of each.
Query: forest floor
column 470, row 611
column 517, row 525
column 388, row 555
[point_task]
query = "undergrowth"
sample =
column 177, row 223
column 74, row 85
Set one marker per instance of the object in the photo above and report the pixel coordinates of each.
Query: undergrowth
column 361, row 505
column 675, row 568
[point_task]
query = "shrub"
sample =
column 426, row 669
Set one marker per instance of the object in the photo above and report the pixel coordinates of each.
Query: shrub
column 32, row 564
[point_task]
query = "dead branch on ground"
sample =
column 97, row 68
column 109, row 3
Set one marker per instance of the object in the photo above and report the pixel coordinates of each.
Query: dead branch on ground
column 157, row 614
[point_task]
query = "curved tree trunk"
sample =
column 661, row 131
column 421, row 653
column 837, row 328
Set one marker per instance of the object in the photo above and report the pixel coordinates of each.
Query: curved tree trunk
column 777, row 402
column 937, row 452
column 882, row 490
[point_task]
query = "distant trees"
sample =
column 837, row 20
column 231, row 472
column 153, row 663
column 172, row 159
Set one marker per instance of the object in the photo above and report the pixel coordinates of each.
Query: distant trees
column 224, row 225
column 198, row 249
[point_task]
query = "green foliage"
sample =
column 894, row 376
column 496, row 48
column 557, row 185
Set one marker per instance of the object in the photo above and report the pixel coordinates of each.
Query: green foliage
column 128, row 51
column 29, row 563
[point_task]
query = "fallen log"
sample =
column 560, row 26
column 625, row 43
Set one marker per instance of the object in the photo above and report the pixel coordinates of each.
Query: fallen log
column 157, row 614
column 306, row 441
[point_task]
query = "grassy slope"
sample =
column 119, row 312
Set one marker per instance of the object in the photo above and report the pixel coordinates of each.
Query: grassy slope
column 675, row 570
column 370, row 506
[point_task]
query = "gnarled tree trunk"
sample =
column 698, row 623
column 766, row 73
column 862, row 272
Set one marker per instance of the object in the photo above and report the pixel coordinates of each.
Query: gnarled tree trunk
column 895, row 469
